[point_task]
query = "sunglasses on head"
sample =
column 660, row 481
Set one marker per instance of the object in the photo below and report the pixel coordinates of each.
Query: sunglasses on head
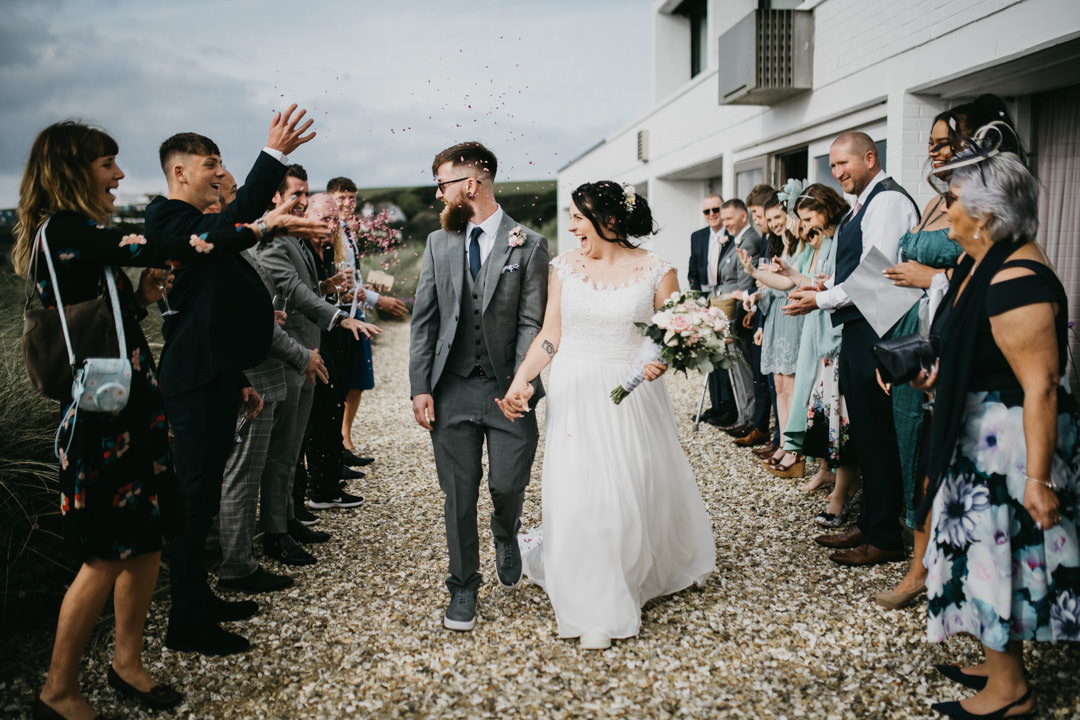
column 710, row 211
column 949, row 198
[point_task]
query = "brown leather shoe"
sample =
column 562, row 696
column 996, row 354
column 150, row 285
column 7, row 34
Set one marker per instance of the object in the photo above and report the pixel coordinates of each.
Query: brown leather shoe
column 866, row 555
column 737, row 430
column 755, row 437
column 852, row 537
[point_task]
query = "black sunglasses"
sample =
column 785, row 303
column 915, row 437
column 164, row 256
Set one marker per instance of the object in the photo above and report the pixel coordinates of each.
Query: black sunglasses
column 710, row 211
column 949, row 198
column 442, row 185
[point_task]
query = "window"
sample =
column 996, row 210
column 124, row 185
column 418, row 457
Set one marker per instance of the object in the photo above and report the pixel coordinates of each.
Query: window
column 696, row 11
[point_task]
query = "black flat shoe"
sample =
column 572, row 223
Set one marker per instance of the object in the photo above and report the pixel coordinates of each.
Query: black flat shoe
column 956, row 710
column 221, row 610
column 40, row 711
column 351, row 459
column 954, row 673
column 159, row 697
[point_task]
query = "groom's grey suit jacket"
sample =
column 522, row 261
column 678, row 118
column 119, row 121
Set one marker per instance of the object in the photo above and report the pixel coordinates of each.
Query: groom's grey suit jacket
column 512, row 310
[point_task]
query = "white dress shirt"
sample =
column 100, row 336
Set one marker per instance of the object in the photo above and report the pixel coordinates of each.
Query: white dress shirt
column 487, row 238
column 716, row 241
column 883, row 224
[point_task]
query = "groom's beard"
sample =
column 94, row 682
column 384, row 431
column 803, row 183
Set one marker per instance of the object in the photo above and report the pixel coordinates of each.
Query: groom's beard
column 455, row 218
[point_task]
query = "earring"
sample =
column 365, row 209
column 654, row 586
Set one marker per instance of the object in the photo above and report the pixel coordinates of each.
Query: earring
column 976, row 234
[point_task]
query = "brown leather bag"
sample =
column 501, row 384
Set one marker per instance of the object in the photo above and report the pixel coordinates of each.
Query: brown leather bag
column 93, row 334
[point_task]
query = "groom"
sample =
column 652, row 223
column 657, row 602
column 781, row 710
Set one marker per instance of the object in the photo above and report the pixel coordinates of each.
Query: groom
column 479, row 303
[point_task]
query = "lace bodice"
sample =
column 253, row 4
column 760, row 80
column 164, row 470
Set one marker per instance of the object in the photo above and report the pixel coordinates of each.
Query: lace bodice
column 598, row 322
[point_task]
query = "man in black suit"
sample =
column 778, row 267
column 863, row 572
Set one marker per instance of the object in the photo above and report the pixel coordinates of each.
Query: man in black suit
column 223, row 324
column 705, row 245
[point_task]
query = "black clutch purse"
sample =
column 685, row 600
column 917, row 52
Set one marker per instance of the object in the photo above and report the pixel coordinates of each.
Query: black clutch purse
column 900, row 359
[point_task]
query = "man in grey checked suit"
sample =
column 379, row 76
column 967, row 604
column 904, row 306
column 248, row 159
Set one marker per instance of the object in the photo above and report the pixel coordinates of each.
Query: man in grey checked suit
column 480, row 301
column 290, row 265
column 243, row 475
column 733, row 281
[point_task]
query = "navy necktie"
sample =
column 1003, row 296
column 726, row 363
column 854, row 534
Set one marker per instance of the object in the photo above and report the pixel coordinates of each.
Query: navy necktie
column 474, row 251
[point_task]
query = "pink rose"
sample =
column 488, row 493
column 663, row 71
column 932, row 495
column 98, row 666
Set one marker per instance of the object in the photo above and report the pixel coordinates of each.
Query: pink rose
column 680, row 323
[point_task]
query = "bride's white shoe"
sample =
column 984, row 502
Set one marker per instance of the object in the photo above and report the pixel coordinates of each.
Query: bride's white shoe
column 595, row 641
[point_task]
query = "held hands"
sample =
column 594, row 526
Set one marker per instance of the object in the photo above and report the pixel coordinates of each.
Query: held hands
column 516, row 402
column 911, row 274
column 251, row 401
column 284, row 135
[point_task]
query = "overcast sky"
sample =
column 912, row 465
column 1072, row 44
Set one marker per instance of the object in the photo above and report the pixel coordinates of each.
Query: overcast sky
column 388, row 83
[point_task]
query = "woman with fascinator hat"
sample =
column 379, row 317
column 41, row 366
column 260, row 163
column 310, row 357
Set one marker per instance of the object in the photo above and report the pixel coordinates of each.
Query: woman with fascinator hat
column 926, row 255
column 1003, row 462
column 623, row 520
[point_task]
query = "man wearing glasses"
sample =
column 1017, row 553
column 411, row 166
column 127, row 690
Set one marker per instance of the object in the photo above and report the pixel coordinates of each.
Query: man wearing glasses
column 480, row 301
column 706, row 247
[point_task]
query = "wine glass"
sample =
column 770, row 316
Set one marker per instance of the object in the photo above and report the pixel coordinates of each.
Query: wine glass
column 164, row 290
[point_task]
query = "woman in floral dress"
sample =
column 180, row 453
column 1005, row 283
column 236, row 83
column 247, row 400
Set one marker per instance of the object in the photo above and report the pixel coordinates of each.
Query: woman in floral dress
column 1004, row 459
column 116, row 476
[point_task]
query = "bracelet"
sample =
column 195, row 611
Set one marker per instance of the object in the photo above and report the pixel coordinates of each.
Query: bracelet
column 1045, row 483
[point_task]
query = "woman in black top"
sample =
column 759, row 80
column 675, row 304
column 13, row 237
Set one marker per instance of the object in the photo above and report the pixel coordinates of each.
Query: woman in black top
column 116, row 478
column 1004, row 458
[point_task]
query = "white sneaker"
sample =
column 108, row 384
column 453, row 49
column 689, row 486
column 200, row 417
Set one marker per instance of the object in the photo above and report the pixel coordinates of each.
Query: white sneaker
column 595, row 641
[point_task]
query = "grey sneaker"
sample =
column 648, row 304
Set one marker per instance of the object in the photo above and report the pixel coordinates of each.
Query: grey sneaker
column 461, row 612
column 508, row 563
column 340, row 500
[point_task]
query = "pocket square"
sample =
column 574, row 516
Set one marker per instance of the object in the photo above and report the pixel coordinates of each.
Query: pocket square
column 511, row 268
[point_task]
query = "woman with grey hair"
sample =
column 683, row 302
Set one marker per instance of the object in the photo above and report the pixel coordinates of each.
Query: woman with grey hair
column 1004, row 457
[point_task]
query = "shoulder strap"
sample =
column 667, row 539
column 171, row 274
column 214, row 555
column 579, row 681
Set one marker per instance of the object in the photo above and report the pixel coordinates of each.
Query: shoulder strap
column 114, row 297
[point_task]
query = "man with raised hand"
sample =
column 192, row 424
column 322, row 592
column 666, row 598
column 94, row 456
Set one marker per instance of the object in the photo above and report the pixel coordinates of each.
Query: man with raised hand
column 223, row 324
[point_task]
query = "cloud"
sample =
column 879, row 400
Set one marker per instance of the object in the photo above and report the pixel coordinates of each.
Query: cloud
column 388, row 86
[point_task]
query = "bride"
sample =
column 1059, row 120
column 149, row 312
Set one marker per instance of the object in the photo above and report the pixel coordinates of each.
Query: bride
column 623, row 520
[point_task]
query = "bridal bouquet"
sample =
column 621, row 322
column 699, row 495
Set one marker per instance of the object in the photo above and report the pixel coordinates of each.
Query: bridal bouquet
column 686, row 333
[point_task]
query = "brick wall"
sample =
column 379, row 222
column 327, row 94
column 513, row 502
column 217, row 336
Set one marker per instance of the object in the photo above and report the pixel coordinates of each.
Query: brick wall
column 873, row 30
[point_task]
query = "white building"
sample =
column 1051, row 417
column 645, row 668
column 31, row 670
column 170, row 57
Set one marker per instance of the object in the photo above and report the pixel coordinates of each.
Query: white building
column 817, row 68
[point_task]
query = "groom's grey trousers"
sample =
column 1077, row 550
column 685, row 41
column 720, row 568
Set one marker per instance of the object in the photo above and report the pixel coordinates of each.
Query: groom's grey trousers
column 465, row 416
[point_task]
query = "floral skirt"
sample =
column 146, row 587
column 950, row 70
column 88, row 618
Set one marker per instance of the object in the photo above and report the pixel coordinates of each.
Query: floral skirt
column 828, row 434
column 991, row 572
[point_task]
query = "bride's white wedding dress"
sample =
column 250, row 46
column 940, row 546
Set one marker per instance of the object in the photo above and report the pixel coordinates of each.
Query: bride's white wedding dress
column 623, row 520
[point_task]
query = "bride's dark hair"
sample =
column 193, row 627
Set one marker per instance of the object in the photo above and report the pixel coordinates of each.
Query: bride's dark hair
column 615, row 209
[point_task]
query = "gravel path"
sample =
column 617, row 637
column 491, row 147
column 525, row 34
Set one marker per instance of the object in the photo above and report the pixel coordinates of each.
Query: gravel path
column 778, row 632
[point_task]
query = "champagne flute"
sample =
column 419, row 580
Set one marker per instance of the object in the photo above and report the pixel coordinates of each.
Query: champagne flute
column 240, row 426
column 164, row 291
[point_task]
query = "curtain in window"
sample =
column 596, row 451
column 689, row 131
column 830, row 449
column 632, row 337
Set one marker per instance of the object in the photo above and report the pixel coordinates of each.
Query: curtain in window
column 1058, row 168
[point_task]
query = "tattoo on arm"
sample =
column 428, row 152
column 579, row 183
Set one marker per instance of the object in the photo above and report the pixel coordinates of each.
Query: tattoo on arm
column 548, row 347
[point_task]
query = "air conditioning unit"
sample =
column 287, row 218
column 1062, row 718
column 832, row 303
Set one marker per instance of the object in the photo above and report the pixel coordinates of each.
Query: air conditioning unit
column 767, row 57
column 643, row 145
